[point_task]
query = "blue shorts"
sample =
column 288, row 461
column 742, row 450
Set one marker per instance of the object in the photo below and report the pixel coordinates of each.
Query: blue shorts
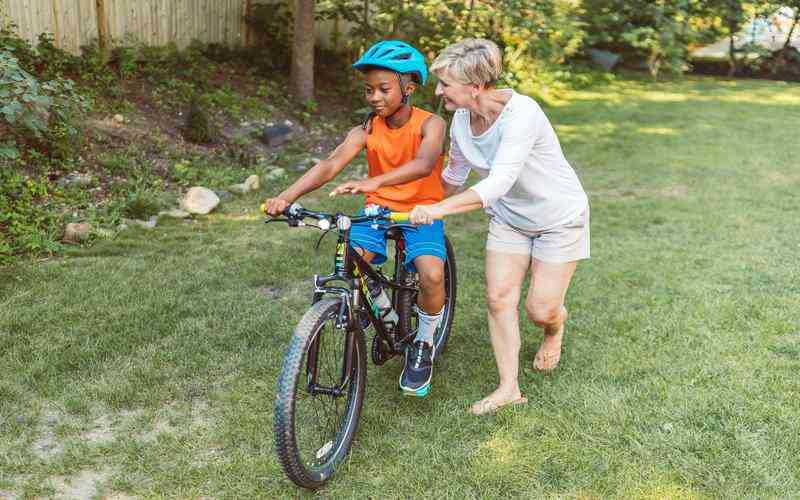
column 421, row 240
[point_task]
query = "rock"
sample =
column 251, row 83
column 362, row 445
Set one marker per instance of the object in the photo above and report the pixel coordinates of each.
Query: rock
column 148, row 224
column 252, row 183
column 119, row 118
column 175, row 213
column 223, row 195
column 76, row 179
column 276, row 135
column 239, row 189
column 199, row 200
column 604, row 58
column 76, row 232
column 302, row 166
column 122, row 227
column 288, row 123
column 273, row 174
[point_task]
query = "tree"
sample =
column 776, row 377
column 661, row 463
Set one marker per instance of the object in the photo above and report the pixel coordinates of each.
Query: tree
column 794, row 4
column 302, row 72
column 103, row 40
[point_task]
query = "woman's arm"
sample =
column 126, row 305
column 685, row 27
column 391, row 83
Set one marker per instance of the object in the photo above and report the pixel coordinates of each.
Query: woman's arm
column 522, row 127
column 450, row 189
column 462, row 202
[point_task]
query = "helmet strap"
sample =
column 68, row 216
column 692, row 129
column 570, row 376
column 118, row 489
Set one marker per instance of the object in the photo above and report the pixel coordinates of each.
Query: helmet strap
column 404, row 100
column 367, row 123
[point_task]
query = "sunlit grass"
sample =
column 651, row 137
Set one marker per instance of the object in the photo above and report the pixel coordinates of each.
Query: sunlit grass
column 150, row 361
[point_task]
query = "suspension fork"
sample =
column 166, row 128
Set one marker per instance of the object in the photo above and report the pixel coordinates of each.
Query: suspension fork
column 344, row 320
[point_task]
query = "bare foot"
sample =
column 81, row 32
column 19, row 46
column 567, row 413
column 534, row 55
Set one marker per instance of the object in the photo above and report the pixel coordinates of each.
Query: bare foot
column 549, row 353
column 497, row 400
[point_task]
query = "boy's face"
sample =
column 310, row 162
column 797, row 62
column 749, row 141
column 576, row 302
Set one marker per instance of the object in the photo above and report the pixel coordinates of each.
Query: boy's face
column 382, row 91
column 455, row 95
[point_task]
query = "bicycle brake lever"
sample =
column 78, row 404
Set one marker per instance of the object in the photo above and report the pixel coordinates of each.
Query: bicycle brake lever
column 290, row 222
column 390, row 226
column 275, row 219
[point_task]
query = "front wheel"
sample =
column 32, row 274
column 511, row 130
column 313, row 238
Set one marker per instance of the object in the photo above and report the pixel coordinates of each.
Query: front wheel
column 407, row 310
column 320, row 391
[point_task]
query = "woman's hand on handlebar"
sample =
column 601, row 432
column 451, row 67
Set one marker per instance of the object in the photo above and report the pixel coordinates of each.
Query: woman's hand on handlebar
column 424, row 214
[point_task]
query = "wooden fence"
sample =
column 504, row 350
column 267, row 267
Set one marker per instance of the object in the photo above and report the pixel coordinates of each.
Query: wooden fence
column 73, row 23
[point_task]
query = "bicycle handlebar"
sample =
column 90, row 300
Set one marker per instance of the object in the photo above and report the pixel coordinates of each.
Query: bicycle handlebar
column 295, row 211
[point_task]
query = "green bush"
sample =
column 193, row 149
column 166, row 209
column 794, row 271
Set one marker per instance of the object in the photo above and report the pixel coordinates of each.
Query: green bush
column 48, row 113
column 198, row 127
column 27, row 223
column 143, row 202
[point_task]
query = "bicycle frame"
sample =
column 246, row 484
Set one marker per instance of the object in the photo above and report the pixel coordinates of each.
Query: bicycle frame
column 351, row 269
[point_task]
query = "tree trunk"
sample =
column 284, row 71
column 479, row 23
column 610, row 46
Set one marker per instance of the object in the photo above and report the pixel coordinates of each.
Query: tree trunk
column 469, row 13
column 366, row 19
column 791, row 31
column 302, row 74
column 103, row 41
column 732, row 56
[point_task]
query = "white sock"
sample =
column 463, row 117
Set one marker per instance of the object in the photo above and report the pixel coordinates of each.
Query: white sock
column 427, row 326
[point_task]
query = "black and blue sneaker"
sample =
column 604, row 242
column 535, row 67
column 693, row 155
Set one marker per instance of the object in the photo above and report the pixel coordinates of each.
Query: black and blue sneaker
column 418, row 369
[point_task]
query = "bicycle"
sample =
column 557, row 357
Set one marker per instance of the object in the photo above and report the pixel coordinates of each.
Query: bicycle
column 325, row 365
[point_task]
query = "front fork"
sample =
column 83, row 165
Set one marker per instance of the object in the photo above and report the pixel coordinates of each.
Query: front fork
column 345, row 320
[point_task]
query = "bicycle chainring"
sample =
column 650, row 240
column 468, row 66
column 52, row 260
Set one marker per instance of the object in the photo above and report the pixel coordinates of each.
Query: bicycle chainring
column 381, row 350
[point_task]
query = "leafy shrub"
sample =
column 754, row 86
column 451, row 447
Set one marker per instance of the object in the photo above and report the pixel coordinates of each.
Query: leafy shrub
column 49, row 112
column 143, row 202
column 271, row 23
column 213, row 173
column 198, row 127
column 53, row 62
column 27, row 224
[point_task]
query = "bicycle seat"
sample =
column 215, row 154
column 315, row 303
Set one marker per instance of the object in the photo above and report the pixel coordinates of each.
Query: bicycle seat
column 394, row 233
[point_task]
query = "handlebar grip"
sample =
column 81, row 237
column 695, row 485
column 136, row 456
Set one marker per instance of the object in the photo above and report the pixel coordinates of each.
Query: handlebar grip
column 399, row 216
column 263, row 208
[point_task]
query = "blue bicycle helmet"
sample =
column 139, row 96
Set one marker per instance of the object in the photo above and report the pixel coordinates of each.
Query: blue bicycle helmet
column 396, row 56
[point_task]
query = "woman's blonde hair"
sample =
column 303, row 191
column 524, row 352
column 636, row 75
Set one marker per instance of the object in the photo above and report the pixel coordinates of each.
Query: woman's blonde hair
column 472, row 60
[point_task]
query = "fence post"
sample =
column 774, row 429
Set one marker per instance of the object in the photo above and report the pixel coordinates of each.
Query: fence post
column 103, row 42
column 248, row 9
column 56, row 24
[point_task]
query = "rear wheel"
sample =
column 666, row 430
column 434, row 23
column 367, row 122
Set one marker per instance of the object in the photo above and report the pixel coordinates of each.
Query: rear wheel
column 319, row 398
column 407, row 301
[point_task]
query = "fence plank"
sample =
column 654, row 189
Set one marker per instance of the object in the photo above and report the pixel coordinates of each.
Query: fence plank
column 151, row 22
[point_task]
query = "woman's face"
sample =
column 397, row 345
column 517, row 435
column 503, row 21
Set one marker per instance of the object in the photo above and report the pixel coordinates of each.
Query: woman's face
column 456, row 95
column 382, row 91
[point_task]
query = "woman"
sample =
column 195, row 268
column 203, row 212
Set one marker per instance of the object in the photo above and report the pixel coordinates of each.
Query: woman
column 539, row 211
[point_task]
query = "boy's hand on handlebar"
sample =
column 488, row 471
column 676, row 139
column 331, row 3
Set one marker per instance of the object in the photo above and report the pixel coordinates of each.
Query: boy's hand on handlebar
column 424, row 214
column 356, row 187
column 275, row 206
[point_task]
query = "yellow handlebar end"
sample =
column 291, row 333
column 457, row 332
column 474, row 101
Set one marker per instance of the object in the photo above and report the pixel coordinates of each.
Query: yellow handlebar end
column 263, row 208
column 399, row 216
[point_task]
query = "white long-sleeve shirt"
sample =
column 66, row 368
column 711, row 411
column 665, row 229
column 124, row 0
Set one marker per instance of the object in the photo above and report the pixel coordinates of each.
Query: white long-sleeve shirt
column 526, row 180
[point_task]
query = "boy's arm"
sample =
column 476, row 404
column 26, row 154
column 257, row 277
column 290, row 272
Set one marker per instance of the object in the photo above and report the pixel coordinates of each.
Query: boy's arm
column 320, row 173
column 430, row 150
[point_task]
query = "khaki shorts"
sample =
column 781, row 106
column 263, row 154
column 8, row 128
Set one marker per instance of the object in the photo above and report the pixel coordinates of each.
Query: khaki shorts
column 564, row 243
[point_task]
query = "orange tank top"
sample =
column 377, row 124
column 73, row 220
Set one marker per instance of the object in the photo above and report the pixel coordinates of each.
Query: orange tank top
column 388, row 149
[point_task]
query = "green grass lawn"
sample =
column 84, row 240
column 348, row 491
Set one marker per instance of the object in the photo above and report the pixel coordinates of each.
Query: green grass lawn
column 147, row 365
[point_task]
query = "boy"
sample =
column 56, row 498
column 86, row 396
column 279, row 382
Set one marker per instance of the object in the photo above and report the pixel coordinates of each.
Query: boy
column 404, row 153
